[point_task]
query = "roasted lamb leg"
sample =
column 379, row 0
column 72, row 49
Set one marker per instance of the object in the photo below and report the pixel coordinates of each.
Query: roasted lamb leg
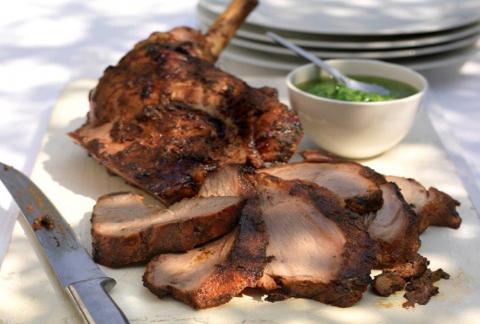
column 164, row 116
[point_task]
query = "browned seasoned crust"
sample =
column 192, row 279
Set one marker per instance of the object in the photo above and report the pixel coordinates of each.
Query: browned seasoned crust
column 440, row 209
column 433, row 207
column 415, row 277
column 358, row 255
column 395, row 278
column 241, row 269
column 165, row 116
column 117, row 245
column 388, row 283
column 420, row 290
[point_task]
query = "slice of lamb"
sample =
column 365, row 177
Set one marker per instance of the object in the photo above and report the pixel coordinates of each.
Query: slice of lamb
column 215, row 273
column 230, row 180
column 126, row 230
column 394, row 228
column 356, row 184
column 432, row 206
column 318, row 249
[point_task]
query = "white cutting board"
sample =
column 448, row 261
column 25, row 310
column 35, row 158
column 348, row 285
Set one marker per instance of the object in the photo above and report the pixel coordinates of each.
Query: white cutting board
column 29, row 293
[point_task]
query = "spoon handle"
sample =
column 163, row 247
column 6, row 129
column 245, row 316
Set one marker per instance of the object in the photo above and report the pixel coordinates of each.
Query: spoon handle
column 312, row 58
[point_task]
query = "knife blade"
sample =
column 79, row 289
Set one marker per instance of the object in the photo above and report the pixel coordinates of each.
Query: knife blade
column 84, row 282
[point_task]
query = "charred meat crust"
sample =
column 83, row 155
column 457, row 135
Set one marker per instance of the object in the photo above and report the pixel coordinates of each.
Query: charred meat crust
column 357, row 258
column 388, row 283
column 374, row 200
column 420, row 290
column 173, row 117
column 123, row 248
column 440, row 210
column 394, row 279
column 433, row 207
column 241, row 269
column 414, row 277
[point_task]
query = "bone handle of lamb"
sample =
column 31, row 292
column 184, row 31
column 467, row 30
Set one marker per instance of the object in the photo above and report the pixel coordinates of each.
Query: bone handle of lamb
column 227, row 24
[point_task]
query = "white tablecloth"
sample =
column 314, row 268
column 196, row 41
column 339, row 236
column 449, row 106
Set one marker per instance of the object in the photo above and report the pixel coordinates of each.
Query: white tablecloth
column 44, row 44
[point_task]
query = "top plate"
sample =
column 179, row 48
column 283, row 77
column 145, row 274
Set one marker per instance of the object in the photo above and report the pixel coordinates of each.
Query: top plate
column 360, row 17
column 317, row 41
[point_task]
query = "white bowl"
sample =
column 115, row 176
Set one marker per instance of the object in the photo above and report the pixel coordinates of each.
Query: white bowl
column 356, row 130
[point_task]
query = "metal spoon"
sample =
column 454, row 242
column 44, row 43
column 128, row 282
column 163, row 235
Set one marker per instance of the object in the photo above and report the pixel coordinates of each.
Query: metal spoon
column 350, row 83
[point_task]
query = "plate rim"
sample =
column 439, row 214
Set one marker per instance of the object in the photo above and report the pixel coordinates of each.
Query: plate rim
column 394, row 54
column 377, row 32
column 366, row 45
column 460, row 55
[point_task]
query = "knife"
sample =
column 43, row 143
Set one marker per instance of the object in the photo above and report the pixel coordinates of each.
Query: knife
column 85, row 283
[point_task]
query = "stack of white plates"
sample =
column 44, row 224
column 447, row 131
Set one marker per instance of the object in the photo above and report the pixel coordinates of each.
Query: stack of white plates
column 422, row 34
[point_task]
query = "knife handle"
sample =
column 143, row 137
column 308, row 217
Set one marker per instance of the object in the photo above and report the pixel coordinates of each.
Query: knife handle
column 94, row 303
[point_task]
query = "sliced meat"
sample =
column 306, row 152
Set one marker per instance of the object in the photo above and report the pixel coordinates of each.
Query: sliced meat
column 433, row 207
column 357, row 185
column 126, row 230
column 394, row 228
column 230, row 180
column 318, row 249
column 215, row 273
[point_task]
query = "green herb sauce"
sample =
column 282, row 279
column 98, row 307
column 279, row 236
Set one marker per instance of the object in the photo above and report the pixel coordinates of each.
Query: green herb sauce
column 331, row 88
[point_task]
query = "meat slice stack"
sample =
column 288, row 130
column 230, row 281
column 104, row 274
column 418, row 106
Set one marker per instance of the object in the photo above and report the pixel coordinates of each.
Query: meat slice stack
column 318, row 249
column 313, row 246
column 389, row 219
column 214, row 274
column 164, row 116
column 297, row 235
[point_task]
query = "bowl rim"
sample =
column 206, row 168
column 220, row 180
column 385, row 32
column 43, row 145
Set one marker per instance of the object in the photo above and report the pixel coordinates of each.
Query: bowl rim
column 417, row 94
